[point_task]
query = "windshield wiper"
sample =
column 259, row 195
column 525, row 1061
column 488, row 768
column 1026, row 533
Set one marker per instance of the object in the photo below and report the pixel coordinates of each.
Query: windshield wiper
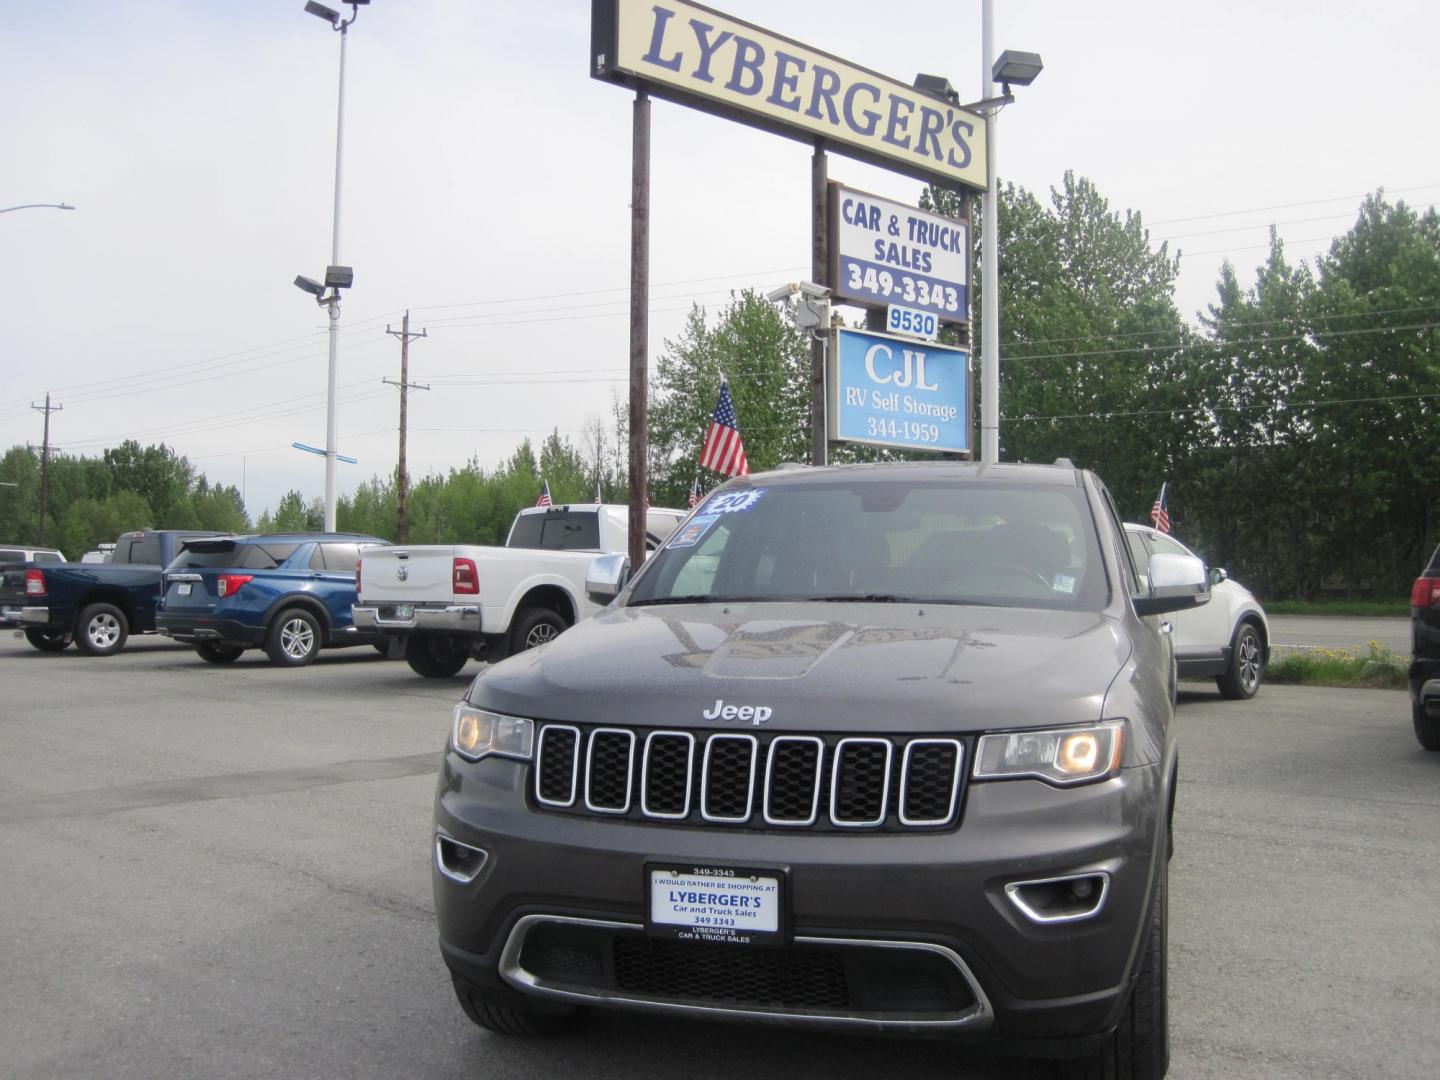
column 866, row 598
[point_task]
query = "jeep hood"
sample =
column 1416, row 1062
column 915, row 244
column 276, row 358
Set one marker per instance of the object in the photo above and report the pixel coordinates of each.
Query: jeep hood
column 860, row 667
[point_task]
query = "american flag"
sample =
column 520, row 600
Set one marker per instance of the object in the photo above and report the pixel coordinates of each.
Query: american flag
column 1159, row 514
column 723, row 450
column 695, row 493
column 544, row 499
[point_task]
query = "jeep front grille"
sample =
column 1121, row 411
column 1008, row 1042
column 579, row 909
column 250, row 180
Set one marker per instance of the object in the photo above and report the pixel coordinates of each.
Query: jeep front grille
column 779, row 782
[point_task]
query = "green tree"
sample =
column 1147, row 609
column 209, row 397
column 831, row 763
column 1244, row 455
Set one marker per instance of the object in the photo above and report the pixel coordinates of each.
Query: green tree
column 88, row 523
column 156, row 473
column 766, row 357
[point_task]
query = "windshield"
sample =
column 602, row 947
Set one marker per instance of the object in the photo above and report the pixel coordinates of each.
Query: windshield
column 1022, row 545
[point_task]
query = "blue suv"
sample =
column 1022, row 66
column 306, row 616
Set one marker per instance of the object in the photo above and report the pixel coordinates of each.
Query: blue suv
column 288, row 593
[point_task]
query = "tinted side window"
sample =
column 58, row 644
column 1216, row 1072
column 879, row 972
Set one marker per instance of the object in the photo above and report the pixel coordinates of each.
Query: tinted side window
column 46, row 556
column 341, row 557
column 12, row 556
column 265, row 556
column 143, row 549
column 1123, row 556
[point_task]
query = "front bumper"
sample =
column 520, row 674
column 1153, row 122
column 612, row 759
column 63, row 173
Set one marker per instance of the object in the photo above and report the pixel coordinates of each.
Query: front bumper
column 448, row 619
column 924, row 908
column 194, row 629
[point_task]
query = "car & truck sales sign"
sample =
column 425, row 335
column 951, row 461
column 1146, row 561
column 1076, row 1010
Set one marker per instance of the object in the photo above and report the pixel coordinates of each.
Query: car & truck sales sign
column 890, row 253
column 710, row 61
column 898, row 392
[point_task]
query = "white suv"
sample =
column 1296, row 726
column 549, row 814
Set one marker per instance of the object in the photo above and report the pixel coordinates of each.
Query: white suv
column 1228, row 638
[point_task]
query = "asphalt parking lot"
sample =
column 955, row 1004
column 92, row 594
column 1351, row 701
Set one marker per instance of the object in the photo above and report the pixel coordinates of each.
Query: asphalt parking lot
column 223, row 871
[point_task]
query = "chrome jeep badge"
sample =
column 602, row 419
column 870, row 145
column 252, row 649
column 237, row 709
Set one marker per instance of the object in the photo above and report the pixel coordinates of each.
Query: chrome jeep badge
column 754, row 715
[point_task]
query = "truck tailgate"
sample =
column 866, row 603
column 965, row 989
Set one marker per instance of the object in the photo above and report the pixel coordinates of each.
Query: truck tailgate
column 413, row 575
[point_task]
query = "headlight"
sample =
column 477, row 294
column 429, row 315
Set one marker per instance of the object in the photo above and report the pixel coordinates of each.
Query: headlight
column 475, row 733
column 1060, row 756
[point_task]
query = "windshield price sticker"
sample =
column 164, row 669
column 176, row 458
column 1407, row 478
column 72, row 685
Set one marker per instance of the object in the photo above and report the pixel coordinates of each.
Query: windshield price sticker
column 904, row 320
column 694, row 529
column 712, row 904
column 731, row 502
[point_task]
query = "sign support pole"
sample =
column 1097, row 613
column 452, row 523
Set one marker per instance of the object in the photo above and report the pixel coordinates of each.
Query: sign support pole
column 819, row 271
column 639, row 324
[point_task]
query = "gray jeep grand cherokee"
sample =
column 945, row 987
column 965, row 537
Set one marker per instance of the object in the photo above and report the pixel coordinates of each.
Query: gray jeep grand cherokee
column 880, row 748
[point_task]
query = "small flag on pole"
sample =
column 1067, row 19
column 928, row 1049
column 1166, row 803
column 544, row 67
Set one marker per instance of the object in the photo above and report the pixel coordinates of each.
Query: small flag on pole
column 1159, row 514
column 597, row 493
column 544, row 499
column 723, row 450
column 695, row 493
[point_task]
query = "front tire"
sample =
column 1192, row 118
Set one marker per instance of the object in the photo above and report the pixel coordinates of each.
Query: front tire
column 434, row 658
column 294, row 638
column 535, row 627
column 212, row 653
column 1427, row 728
column 1139, row 1048
column 101, row 630
column 48, row 640
column 1241, row 680
column 509, row 1014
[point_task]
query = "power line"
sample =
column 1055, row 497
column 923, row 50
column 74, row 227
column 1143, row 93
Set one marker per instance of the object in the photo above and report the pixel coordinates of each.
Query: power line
column 1289, row 206
column 1205, row 409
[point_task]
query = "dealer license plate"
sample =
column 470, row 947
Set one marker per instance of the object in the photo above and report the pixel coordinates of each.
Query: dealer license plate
column 182, row 589
column 696, row 903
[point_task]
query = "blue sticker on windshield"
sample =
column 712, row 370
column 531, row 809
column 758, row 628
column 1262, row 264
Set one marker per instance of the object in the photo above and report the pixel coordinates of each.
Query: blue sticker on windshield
column 731, row 502
column 694, row 529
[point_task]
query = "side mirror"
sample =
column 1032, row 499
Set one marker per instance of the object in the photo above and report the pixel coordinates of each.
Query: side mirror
column 606, row 577
column 1176, row 582
column 1218, row 574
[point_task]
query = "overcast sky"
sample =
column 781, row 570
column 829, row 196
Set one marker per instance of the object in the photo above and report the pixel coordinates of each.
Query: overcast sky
column 486, row 188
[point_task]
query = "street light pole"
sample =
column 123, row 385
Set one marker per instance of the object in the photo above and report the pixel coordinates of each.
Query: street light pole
column 332, row 302
column 989, row 260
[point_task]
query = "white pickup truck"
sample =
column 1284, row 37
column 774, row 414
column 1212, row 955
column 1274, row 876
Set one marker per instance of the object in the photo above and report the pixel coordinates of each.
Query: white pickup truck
column 439, row 605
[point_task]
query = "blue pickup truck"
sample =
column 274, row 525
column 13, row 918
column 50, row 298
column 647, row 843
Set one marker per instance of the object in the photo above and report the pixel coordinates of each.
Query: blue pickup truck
column 96, row 605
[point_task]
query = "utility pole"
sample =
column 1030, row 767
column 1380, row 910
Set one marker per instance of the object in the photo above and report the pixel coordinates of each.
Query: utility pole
column 47, row 409
column 405, row 385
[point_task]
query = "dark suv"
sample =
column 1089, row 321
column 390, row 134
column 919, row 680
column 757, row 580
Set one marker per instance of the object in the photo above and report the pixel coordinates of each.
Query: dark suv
column 288, row 593
column 879, row 748
column 1425, row 654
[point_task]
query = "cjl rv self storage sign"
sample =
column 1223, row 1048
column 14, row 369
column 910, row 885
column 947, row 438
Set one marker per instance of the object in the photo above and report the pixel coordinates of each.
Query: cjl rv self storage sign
column 899, row 392
column 890, row 253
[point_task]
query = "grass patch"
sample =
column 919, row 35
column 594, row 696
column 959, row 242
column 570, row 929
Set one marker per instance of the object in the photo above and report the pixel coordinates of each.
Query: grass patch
column 1371, row 666
column 1360, row 609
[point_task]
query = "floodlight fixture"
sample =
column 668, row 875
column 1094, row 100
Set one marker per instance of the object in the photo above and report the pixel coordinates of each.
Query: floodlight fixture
column 339, row 277
column 310, row 285
column 937, row 86
column 321, row 11
column 1015, row 67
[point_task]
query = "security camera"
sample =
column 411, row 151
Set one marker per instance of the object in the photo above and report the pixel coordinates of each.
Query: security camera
column 783, row 293
column 813, row 291
column 310, row 285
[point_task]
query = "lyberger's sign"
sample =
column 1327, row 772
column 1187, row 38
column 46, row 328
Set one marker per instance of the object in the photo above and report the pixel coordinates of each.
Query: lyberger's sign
column 702, row 58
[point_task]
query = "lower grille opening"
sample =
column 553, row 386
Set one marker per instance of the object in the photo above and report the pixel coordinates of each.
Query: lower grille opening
column 841, row 980
column 733, row 974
